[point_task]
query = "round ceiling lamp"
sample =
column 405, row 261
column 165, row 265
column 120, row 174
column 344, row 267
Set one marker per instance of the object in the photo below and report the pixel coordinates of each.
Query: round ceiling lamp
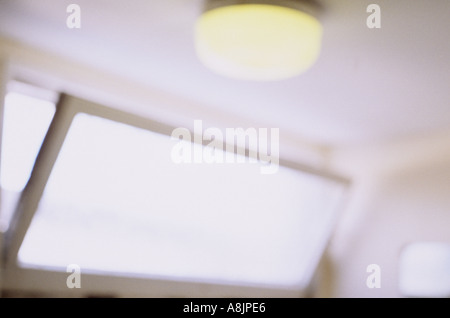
column 258, row 40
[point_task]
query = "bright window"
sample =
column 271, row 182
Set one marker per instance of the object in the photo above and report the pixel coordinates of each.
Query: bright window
column 116, row 203
column 25, row 122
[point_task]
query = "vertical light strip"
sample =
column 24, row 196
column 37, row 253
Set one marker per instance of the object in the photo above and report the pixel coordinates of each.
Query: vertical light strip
column 4, row 75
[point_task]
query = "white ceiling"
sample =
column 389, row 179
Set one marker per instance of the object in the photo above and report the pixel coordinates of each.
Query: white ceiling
column 368, row 85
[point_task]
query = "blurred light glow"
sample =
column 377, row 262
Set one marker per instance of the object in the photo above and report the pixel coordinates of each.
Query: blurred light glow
column 116, row 203
column 258, row 41
column 25, row 122
column 425, row 270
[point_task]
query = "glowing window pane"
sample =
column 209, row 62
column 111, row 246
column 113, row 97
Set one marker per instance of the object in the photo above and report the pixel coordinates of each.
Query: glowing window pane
column 25, row 123
column 116, row 202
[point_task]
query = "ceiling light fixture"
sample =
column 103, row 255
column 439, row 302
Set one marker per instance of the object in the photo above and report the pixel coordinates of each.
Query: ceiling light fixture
column 258, row 39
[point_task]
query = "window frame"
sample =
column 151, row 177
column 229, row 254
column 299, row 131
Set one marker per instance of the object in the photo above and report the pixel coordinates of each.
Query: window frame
column 45, row 281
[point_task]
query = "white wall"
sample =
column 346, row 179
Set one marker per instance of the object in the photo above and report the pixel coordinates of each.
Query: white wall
column 402, row 195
